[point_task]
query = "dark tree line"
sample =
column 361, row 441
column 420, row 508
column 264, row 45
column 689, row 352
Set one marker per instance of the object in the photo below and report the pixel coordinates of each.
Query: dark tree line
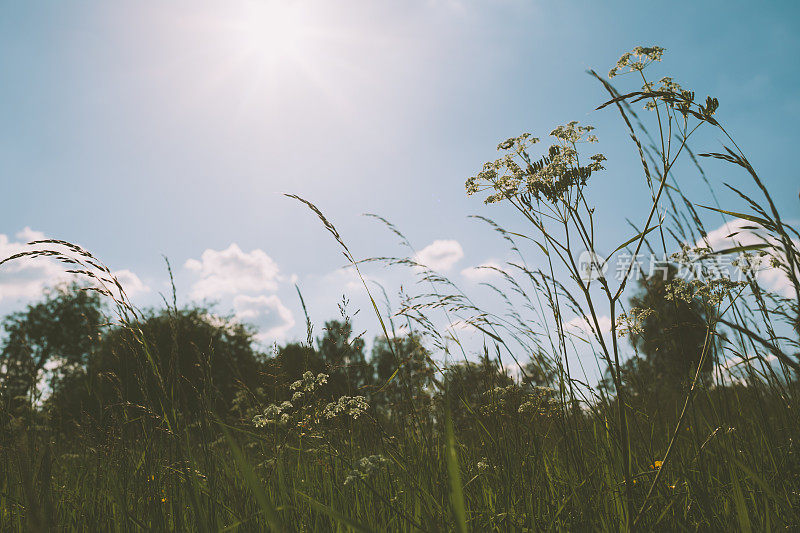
column 61, row 360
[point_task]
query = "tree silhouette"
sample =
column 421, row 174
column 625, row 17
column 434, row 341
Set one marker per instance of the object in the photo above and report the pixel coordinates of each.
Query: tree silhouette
column 670, row 333
column 343, row 358
column 48, row 343
column 403, row 374
column 179, row 362
column 467, row 382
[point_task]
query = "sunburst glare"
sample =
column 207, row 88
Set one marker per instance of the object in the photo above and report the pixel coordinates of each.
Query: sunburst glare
column 268, row 33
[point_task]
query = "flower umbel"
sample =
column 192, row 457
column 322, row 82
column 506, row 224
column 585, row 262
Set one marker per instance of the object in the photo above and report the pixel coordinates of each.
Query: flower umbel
column 550, row 177
column 365, row 467
column 353, row 406
column 636, row 60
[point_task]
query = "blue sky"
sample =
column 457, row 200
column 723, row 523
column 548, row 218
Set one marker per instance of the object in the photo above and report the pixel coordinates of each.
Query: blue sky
column 138, row 129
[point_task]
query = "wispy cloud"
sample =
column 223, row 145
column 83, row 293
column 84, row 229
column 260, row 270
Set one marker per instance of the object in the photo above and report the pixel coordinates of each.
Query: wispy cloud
column 482, row 272
column 580, row 325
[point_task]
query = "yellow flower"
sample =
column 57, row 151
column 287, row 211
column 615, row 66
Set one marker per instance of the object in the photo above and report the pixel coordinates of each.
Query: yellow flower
column 163, row 500
column 657, row 464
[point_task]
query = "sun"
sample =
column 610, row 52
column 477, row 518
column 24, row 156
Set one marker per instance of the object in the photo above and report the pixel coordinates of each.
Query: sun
column 259, row 52
column 270, row 32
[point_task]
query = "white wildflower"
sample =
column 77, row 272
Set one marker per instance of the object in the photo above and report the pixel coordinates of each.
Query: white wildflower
column 353, row 406
column 365, row 467
column 636, row 60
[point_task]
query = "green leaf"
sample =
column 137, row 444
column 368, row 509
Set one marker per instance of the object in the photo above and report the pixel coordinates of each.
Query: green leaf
column 758, row 480
column 252, row 480
column 739, row 249
column 740, row 505
column 519, row 235
column 334, row 515
column 762, row 221
column 394, row 374
column 483, row 330
column 454, row 476
column 634, row 238
column 544, row 250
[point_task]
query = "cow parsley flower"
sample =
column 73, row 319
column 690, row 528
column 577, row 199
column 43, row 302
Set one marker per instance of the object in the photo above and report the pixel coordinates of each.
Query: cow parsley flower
column 274, row 415
column 365, row 467
column 712, row 291
column 632, row 322
column 636, row 60
column 353, row 406
column 550, row 177
column 309, row 382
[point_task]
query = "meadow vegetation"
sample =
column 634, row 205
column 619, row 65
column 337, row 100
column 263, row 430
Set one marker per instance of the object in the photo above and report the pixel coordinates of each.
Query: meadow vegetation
column 118, row 419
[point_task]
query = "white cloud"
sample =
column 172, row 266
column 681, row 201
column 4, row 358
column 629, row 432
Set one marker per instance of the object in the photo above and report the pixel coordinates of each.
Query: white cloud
column 232, row 271
column 740, row 232
column 246, row 277
column 482, row 272
column 131, row 283
column 580, row 324
column 735, row 369
column 267, row 313
column 28, row 235
column 345, row 276
column 733, row 233
column 26, row 278
column 440, row 254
